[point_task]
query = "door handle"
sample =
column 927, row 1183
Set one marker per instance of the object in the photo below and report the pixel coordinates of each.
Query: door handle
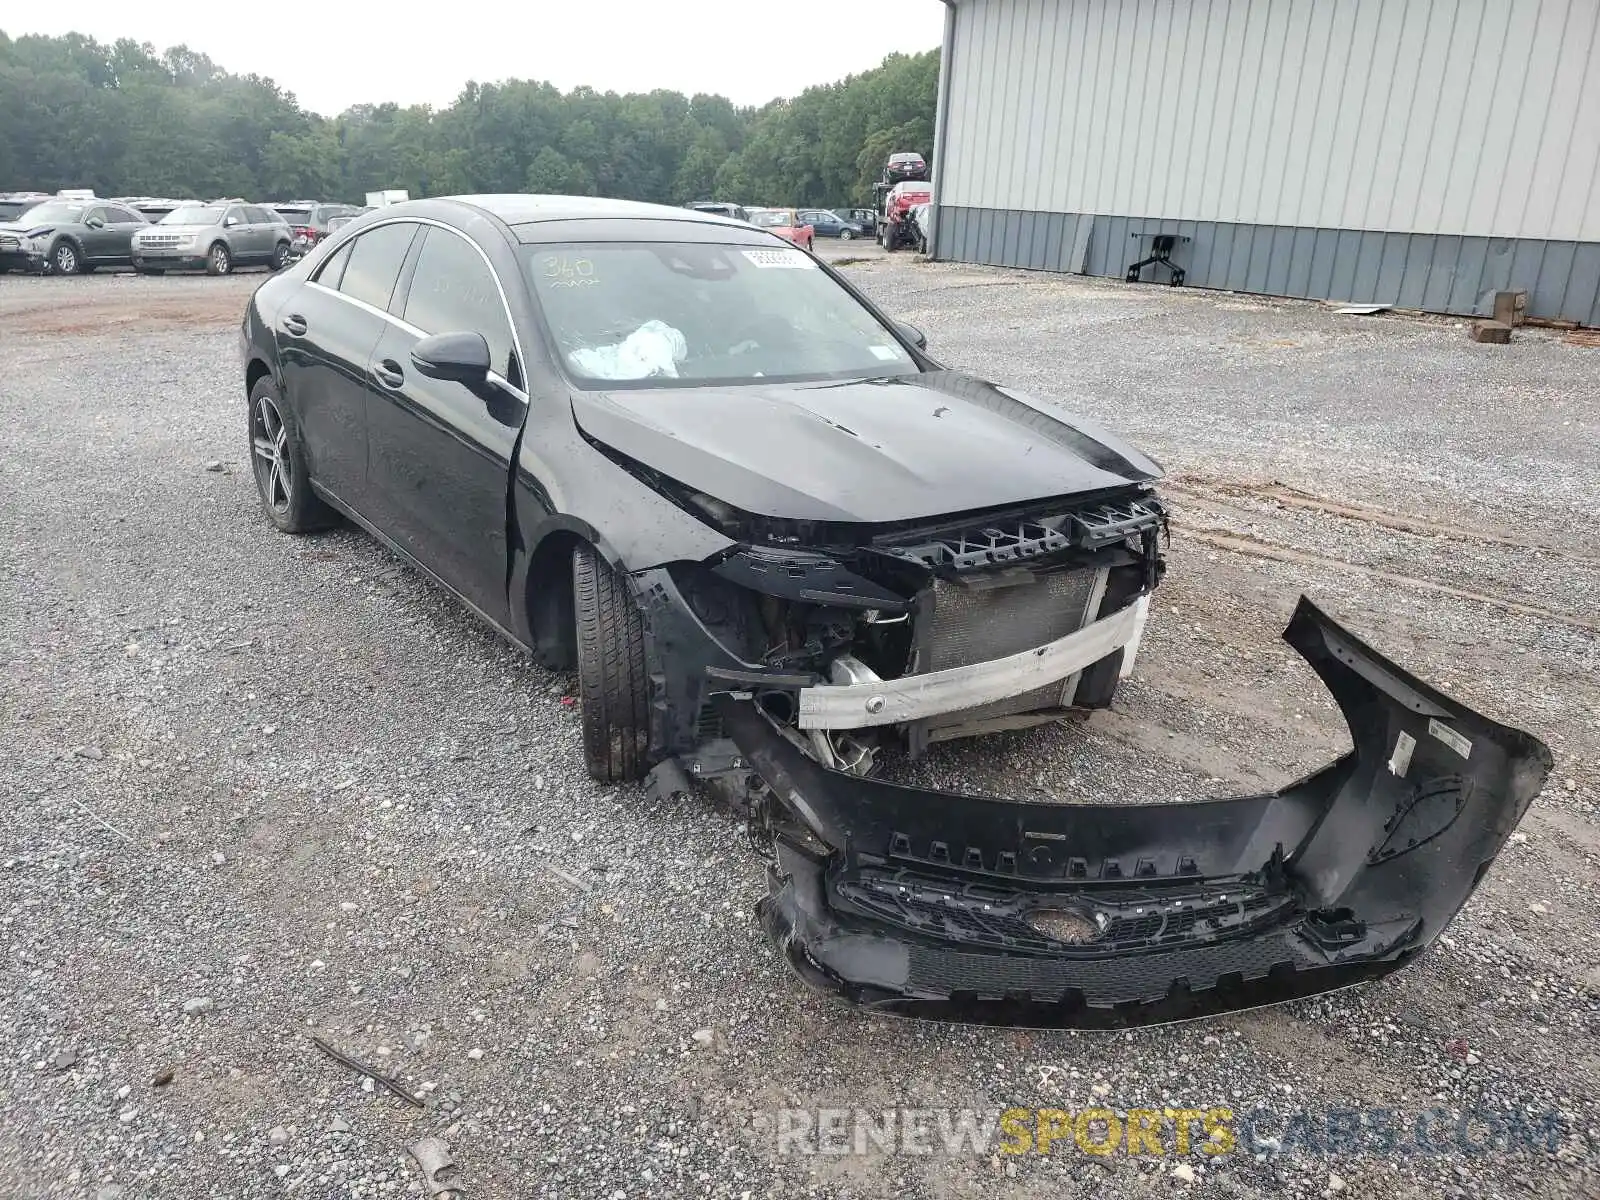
column 295, row 325
column 388, row 373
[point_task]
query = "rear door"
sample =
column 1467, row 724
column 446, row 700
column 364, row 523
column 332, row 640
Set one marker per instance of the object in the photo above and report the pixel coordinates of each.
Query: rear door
column 326, row 334
column 439, row 453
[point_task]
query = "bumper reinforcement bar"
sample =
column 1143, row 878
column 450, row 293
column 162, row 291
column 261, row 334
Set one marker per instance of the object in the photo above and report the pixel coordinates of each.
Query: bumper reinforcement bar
column 935, row 693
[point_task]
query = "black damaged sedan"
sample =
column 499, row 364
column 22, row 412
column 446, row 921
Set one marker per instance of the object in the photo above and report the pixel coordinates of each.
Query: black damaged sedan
column 774, row 538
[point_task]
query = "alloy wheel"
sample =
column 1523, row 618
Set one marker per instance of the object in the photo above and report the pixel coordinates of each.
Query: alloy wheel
column 66, row 259
column 274, row 474
column 219, row 259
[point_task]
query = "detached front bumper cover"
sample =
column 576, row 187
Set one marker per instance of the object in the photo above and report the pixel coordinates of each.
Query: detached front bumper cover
column 948, row 906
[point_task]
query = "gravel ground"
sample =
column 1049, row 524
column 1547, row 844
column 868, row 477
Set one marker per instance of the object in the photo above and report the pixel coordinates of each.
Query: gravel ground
column 263, row 789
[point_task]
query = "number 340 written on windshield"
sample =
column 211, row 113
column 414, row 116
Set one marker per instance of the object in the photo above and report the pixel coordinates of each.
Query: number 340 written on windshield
column 560, row 270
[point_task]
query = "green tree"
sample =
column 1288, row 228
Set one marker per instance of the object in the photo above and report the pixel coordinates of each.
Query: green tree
column 128, row 119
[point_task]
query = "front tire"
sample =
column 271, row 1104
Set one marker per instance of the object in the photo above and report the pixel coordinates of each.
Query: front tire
column 278, row 461
column 846, row 234
column 218, row 260
column 65, row 259
column 613, row 689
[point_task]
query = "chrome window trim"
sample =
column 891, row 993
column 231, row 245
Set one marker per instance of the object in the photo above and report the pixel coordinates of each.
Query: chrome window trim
column 505, row 305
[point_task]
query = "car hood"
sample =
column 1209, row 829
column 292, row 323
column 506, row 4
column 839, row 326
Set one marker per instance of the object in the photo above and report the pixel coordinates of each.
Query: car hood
column 25, row 228
column 866, row 451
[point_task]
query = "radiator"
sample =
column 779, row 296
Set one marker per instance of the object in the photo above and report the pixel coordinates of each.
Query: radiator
column 973, row 625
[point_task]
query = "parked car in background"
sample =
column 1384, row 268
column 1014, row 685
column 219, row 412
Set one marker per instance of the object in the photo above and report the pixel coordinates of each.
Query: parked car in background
column 70, row 237
column 14, row 204
column 308, row 222
column 865, row 217
column 736, row 212
column 337, row 223
column 214, row 238
column 153, row 208
column 786, row 223
column 829, row 224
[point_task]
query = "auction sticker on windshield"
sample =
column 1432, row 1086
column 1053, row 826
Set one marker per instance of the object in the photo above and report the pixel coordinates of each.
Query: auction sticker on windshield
column 789, row 259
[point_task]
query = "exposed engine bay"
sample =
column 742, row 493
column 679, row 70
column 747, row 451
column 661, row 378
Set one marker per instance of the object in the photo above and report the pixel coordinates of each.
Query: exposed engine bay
column 858, row 638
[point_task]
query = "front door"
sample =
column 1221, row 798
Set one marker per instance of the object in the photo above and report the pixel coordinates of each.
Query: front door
column 122, row 224
column 98, row 237
column 439, row 453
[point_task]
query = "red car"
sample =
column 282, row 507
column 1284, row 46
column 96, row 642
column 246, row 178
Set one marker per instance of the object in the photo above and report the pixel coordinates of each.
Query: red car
column 786, row 223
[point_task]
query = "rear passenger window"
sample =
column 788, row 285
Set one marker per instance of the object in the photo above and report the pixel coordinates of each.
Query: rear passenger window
column 332, row 271
column 375, row 262
column 453, row 290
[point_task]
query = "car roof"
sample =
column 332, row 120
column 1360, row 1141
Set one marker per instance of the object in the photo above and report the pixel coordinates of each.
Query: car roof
column 524, row 210
column 539, row 218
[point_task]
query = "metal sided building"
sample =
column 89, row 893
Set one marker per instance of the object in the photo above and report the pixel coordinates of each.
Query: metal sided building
column 1420, row 153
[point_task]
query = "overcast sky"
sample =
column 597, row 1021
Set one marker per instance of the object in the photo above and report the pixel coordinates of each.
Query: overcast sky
column 333, row 55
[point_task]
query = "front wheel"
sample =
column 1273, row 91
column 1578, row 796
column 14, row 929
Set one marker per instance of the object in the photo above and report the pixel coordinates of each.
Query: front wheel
column 613, row 688
column 218, row 260
column 846, row 234
column 64, row 259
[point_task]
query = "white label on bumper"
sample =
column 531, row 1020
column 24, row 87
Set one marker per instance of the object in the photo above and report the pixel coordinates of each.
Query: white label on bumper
column 914, row 697
column 1461, row 745
column 1400, row 760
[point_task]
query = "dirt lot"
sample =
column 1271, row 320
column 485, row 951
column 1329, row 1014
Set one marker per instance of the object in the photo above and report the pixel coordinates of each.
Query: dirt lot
column 291, row 788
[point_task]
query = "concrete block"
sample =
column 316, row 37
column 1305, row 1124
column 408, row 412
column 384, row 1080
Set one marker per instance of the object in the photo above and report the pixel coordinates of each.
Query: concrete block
column 1496, row 333
column 1510, row 308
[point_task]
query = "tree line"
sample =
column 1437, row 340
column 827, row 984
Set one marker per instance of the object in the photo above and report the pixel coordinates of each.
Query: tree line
column 127, row 120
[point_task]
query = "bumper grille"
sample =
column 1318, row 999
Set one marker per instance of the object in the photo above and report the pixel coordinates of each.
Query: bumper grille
column 10, row 243
column 995, row 917
column 159, row 241
column 975, row 625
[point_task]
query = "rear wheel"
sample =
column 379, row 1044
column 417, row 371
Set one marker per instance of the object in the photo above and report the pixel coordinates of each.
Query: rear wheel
column 280, row 256
column 890, row 235
column 613, row 689
column 278, row 458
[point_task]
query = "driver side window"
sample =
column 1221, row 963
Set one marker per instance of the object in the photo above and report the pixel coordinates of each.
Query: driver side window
column 452, row 290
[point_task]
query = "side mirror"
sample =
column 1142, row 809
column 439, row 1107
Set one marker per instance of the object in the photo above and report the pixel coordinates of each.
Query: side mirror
column 913, row 335
column 230, row 222
column 457, row 357
column 95, row 223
